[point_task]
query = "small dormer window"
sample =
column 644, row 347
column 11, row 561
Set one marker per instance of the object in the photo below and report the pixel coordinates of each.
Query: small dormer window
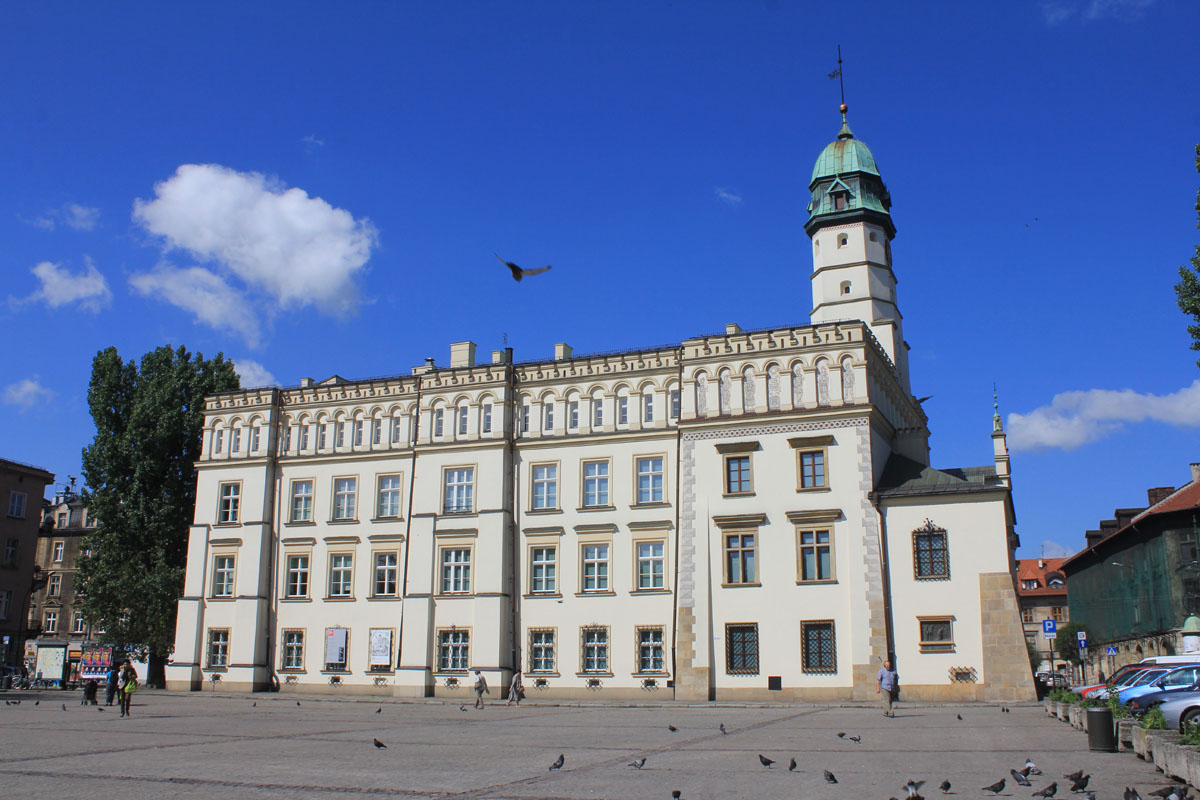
column 845, row 287
column 843, row 240
column 839, row 201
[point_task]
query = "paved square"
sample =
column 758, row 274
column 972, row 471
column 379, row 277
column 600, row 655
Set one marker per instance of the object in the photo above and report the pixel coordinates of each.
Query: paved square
column 198, row 746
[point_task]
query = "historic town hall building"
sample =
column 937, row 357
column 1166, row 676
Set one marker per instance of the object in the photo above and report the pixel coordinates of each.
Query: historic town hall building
column 747, row 515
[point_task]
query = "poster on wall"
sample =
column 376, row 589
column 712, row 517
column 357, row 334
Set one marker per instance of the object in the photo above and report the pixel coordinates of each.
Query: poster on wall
column 335, row 646
column 381, row 647
column 50, row 663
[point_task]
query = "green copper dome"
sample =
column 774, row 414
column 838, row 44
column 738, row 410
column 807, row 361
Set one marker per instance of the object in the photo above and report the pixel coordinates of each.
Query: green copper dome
column 846, row 154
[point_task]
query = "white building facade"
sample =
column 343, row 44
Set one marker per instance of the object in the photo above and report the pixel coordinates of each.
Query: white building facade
column 746, row 515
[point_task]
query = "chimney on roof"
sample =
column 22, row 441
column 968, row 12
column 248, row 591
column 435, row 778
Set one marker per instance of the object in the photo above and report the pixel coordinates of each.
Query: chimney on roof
column 306, row 382
column 462, row 354
column 1159, row 493
column 1195, row 472
column 731, row 328
column 562, row 351
column 498, row 357
column 1041, row 563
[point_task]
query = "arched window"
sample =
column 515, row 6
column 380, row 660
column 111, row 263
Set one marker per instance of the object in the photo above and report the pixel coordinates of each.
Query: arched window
column 843, row 240
column 462, row 420
column 845, row 287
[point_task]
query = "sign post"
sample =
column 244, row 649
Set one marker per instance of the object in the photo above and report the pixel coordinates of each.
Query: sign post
column 1082, row 637
column 1049, row 632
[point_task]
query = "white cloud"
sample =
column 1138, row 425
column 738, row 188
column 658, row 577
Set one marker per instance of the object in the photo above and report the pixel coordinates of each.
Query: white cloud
column 311, row 142
column 60, row 287
column 1052, row 549
column 1074, row 419
column 73, row 215
column 1059, row 11
column 27, row 393
column 205, row 294
column 253, row 374
column 727, row 196
column 297, row 251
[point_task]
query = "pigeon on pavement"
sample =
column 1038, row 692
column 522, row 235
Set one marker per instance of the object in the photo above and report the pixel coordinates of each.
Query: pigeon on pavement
column 379, row 745
column 766, row 762
column 722, row 726
column 792, row 765
column 855, row 739
column 379, row 711
column 672, row 728
column 1048, row 792
column 1019, row 778
column 913, row 788
column 1031, row 768
column 641, row 762
column 558, row 762
column 944, row 786
column 1074, row 776
column 1081, row 784
column 830, row 777
column 959, row 717
column 996, row 787
column 841, row 734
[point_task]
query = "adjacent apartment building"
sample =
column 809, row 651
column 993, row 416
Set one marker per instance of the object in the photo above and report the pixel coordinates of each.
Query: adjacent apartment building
column 749, row 514
column 1042, row 589
column 21, row 489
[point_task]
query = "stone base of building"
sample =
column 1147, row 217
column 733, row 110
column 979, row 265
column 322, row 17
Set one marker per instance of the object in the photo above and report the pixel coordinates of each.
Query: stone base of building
column 1005, row 654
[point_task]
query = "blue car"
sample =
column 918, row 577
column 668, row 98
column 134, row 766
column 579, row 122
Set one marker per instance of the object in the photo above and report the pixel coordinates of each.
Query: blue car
column 1173, row 679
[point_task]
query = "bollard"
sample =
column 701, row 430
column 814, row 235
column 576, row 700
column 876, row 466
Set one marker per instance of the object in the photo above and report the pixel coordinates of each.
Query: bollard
column 1102, row 737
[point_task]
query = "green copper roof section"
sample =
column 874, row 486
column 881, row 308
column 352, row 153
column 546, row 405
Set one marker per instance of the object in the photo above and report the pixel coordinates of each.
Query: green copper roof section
column 847, row 154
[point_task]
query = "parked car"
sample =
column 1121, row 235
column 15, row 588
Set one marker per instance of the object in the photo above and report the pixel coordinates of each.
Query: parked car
column 1140, row 705
column 1182, row 708
column 1175, row 679
column 1130, row 679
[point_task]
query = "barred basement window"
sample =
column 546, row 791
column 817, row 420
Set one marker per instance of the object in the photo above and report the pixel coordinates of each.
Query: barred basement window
column 541, row 651
column 741, row 649
column 818, row 647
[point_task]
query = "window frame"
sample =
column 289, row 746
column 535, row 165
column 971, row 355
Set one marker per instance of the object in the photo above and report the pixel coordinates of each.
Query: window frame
column 638, row 560
column 808, row 668
column 210, row 651
column 726, row 563
column 460, row 570
column 377, row 569
column 350, row 513
column 348, row 580
column 597, row 412
column 823, row 452
column 54, row 585
column 647, row 408
column 485, row 421
column 293, row 496
column 731, row 655
column 572, row 415
column 50, row 621
column 78, row 622
column 380, row 492
column 468, row 489
column 548, row 580
column 639, row 653
column 936, row 645
column 637, row 480
column 287, row 649
column 534, row 646
column 748, row 480
column 549, row 485
column 446, row 651
column 461, row 419
column 605, row 562
column 59, row 549
column 623, row 409
column 229, row 506
column 598, row 649
column 930, row 532
column 584, row 478
column 438, row 428
column 816, row 546
column 224, row 577
column 303, row 573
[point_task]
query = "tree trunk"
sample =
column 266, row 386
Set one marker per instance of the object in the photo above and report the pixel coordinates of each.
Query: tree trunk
column 156, row 671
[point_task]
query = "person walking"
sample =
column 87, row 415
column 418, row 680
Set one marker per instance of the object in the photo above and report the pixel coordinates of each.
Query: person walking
column 886, row 684
column 515, row 689
column 481, row 687
column 110, row 684
column 129, row 685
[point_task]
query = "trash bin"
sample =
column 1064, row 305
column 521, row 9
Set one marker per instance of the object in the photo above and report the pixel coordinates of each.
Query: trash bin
column 1102, row 736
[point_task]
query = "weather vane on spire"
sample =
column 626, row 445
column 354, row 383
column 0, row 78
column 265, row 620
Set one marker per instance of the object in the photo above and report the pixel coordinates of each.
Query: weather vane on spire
column 837, row 73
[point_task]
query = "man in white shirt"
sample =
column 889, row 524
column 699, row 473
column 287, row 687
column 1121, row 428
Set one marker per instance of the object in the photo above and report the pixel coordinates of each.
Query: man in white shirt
column 480, row 687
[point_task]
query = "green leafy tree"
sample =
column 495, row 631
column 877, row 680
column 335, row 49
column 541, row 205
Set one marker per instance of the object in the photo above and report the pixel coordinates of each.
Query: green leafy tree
column 1066, row 643
column 1187, row 291
column 142, row 491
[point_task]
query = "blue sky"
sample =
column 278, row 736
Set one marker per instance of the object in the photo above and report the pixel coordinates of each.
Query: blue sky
column 320, row 189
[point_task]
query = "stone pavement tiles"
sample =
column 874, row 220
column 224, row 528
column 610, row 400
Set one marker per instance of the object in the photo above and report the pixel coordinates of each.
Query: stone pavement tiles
column 195, row 746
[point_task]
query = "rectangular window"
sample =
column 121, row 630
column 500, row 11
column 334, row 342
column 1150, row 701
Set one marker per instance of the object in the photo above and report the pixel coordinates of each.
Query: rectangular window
column 376, row 431
column 218, row 647
column 358, row 432
column 812, row 469
column 486, row 423
column 223, row 576
column 1027, row 615
column 525, row 419
column 304, row 431
column 336, row 649
column 676, row 400
column 622, row 410
column 931, row 558
column 235, row 441
column 386, row 572
column 345, row 498
column 818, row 652
column 456, row 570
column 438, row 419
column 59, row 549
column 545, row 486
column 50, row 622
column 5, row 603
column 462, row 421
column 293, row 649
column 595, row 483
column 651, row 565
column 61, row 520
column 231, row 497
column 395, row 430
column 285, row 440
column 541, row 651
column 595, row 568
column 650, row 480
column 459, row 491
column 816, row 556
column 1058, row 613
column 341, row 574
column 78, row 625
column 650, row 650
column 542, row 578
column 322, row 436
column 454, row 651
column 297, row 576
column 54, row 585
column 339, row 433
column 597, row 412
column 740, row 558
column 648, row 408
column 218, row 441
column 302, row 501
column 595, row 649
column 741, row 649
column 573, row 414
column 737, row 475
column 388, row 497
column 549, row 414
column 937, row 634
column 254, row 439
column 11, row 548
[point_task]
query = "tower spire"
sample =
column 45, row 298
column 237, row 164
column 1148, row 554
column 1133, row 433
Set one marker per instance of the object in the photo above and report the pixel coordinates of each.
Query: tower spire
column 844, row 133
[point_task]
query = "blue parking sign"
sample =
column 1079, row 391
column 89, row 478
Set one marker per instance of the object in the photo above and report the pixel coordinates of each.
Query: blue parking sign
column 1049, row 628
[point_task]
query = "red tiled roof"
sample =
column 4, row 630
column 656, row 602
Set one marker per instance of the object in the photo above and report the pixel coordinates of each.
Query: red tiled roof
column 1028, row 569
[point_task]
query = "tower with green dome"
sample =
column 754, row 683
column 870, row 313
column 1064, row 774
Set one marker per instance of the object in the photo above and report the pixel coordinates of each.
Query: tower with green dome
column 850, row 224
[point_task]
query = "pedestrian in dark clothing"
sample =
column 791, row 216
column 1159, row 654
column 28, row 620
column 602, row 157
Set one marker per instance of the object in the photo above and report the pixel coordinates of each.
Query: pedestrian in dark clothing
column 129, row 685
column 110, row 685
column 90, row 688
